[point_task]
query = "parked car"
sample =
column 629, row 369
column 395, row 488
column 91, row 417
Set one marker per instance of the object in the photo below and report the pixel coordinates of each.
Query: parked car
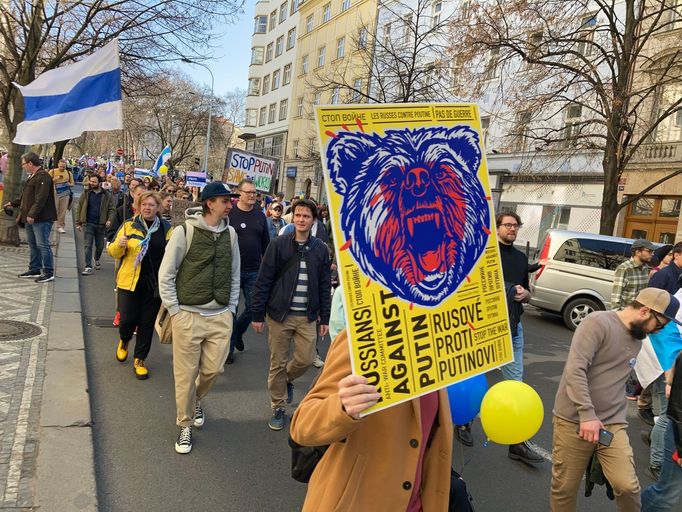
column 578, row 276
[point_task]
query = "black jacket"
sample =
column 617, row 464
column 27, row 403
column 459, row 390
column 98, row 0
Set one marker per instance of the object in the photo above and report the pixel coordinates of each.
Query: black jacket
column 273, row 296
column 675, row 405
column 37, row 198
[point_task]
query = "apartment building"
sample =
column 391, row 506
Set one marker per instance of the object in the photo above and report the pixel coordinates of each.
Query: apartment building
column 271, row 72
column 329, row 53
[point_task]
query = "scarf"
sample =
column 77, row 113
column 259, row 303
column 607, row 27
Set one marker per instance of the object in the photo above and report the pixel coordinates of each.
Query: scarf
column 144, row 244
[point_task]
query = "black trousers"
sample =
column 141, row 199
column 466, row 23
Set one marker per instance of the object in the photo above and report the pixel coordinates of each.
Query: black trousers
column 138, row 309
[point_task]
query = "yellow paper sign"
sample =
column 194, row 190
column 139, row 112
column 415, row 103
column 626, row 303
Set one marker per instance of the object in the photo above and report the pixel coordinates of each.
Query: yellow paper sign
column 416, row 248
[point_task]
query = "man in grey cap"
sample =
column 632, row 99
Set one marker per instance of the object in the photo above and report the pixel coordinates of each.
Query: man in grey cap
column 632, row 275
column 590, row 409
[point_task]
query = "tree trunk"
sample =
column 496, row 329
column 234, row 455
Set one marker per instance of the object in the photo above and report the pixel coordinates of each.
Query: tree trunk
column 9, row 231
column 609, row 204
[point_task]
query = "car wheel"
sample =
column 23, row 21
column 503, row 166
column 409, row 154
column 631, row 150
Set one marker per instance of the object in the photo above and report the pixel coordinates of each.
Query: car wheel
column 576, row 310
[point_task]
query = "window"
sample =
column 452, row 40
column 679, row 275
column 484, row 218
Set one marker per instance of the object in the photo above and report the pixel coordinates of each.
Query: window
column 286, row 76
column 320, row 56
column 605, row 254
column 491, row 65
column 279, row 46
column 644, row 207
column 254, row 87
column 336, row 93
column 326, row 13
column 485, row 125
column 407, row 29
column 317, row 99
column 263, row 116
column 272, row 111
column 291, row 38
column 251, row 116
column 362, row 38
column 534, row 42
column 283, row 105
column 675, row 14
column 553, row 217
column 357, row 90
column 266, row 84
column 670, row 128
column 283, row 12
column 268, row 52
column 345, row 5
column 275, row 79
column 522, row 130
column 304, row 64
column 257, row 55
column 273, row 20
column 572, row 126
column 436, row 9
column 387, row 34
column 340, row 47
column 299, row 107
column 309, row 24
column 312, row 146
column 670, row 207
column 586, row 35
column 260, row 25
column 294, row 6
column 294, row 147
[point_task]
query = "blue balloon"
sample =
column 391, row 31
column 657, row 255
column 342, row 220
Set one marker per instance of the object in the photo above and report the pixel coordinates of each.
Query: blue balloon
column 466, row 397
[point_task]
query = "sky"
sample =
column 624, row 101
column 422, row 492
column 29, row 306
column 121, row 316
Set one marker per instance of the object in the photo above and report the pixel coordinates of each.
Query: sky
column 231, row 64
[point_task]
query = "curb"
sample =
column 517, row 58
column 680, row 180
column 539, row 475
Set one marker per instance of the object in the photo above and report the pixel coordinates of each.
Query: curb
column 65, row 478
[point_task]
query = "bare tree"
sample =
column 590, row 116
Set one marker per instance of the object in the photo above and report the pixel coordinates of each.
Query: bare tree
column 576, row 75
column 38, row 36
column 399, row 57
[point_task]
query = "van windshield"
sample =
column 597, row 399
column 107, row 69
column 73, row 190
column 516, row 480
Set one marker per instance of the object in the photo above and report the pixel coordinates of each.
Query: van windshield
column 605, row 254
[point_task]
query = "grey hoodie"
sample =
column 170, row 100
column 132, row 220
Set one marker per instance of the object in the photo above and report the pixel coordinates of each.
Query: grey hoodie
column 176, row 249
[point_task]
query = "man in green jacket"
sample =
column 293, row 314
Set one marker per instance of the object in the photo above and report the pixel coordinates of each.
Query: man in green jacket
column 96, row 212
column 199, row 286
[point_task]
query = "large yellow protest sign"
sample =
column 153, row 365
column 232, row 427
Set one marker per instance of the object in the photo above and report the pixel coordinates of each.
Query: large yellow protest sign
column 416, row 248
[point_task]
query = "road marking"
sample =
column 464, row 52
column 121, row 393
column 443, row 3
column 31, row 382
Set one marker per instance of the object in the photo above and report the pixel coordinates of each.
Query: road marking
column 540, row 451
column 21, row 432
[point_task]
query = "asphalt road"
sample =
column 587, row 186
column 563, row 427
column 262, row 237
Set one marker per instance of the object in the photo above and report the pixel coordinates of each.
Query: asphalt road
column 239, row 464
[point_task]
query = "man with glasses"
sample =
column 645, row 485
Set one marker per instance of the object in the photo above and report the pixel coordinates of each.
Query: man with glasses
column 38, row 210
column 630, row 277
column 590, row 411
column 252, row 231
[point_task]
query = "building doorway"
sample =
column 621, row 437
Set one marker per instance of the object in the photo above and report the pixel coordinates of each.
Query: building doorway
column 654, row 218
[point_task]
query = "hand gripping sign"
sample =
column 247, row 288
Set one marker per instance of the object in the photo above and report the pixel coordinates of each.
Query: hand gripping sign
column 410, row 202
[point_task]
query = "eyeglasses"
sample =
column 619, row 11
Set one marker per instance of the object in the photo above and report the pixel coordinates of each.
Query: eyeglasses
column 659, row 325
column 277, row 209
column 510, row 226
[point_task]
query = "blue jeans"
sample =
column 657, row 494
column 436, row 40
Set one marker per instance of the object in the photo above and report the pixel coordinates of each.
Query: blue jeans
column 663, row 495
column 514, row 370
column 247, row 280
column 38, row 238
column 658, row 432
column 93, row 233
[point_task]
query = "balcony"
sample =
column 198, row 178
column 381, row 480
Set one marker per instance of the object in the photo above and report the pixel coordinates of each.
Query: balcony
column 658, row 153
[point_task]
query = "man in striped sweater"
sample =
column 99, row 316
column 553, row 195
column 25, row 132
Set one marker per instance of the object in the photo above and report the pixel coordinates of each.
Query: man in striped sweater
column 292, row 292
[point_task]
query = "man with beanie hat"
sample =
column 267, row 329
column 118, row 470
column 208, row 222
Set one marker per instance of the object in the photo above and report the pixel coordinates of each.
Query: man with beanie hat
column 199, row 286
column 590, row 409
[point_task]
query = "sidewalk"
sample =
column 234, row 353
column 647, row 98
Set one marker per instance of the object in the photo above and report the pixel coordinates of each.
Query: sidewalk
column 46, row 457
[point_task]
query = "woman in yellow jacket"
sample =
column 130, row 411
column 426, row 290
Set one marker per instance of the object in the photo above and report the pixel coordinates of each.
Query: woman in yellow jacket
column 140, row 244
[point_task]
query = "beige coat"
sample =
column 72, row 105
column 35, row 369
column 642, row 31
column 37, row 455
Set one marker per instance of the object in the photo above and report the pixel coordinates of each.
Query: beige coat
column 371, row 463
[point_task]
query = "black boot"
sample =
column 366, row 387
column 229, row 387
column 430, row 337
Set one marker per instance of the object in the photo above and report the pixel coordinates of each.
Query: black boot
column 463, row 433
column 524, row 453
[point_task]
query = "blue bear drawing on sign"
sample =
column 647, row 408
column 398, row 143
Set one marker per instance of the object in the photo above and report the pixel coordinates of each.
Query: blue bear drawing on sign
column 414, row 213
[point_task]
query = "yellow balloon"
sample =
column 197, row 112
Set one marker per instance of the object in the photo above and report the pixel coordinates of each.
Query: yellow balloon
column 163, row 170
column 511, row 412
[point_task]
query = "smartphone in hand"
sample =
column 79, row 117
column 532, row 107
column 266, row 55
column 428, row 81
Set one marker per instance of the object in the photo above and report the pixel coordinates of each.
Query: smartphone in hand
column 605, row 437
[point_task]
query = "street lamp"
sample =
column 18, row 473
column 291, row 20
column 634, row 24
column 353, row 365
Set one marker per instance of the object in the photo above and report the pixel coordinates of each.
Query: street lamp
column 208, row 131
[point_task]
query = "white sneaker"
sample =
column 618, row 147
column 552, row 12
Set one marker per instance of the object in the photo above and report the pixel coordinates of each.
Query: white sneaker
column 184, row 442
column 199, row 417
column 61, row 230
column 318, row 362
column 86, row 271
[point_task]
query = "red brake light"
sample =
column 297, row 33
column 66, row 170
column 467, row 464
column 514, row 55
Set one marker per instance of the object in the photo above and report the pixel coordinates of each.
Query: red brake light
column 543, row 255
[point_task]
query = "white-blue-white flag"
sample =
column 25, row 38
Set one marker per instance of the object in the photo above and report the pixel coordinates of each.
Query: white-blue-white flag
column 163, row 157
column 659, row 350
column 63, row 103
column 110, row 167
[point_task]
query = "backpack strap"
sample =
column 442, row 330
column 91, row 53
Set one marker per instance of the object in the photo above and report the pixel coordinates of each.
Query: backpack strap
column 189, row 235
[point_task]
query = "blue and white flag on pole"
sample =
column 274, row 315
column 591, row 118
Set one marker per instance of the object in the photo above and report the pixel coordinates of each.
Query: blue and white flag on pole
column 110, row 167
column 659, row 351
column 63, row 103
column 163, row 157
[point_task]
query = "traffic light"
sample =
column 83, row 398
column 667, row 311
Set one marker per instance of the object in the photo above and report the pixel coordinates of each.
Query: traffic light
column 197, row 161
